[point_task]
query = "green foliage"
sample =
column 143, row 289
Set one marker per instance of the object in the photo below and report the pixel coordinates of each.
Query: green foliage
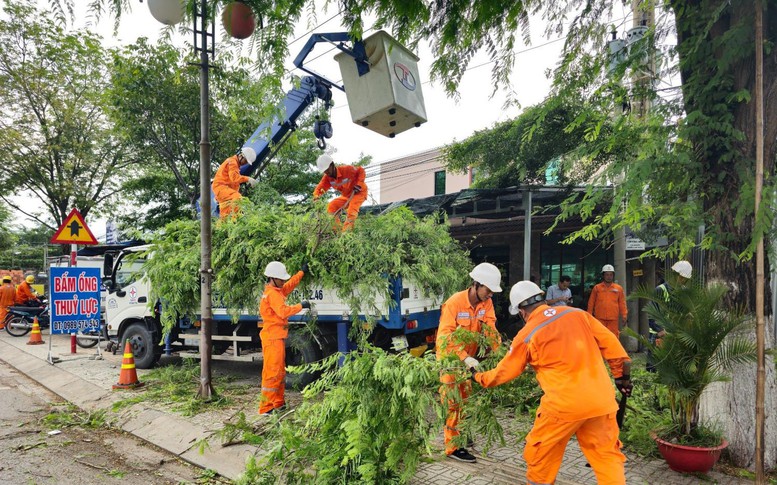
column 647, row 411
column 704, row 341
column 56, row 144
column 71, row 416
column 353, row 264
column 175, row 387
column 369, row 421
column 155, row 105
column 519, row 151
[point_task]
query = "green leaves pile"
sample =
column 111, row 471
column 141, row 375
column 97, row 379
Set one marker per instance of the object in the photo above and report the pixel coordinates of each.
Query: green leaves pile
column 354, row 264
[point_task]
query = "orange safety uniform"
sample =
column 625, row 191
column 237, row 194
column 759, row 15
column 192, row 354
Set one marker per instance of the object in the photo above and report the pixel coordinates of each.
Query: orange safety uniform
column 565, row 346
column 275, row 328
column 7, row 297
column 458, row 312
column 347, row 178
column 226, row 185
column 607, row 303
column 24, row 293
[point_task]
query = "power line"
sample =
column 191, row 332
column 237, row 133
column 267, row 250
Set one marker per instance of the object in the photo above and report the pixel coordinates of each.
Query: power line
column 314, row 28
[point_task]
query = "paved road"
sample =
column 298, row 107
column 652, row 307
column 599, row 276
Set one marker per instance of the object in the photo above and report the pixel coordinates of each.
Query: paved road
column 77, row 455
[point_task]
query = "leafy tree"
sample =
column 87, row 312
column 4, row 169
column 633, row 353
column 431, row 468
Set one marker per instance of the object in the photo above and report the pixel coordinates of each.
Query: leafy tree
column 519, row 151
column 6, row 238
column 155, row 101
column 55, row 142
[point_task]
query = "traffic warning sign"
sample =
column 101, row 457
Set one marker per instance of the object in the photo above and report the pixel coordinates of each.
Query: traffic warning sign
column 74, row 231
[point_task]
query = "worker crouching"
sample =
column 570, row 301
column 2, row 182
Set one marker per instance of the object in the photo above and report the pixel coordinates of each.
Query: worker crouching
column 226, row 182
column 275, row 315
column 565, row 346
column 347, row 180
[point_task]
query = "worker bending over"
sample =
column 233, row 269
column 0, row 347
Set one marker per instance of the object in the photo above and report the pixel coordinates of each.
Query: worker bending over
column 347, row 180
column 275, row 315
column 608, row 302
column 226, row 183
column 25, row 295
column 7, row 296
column 565, row 347
column 473, row 310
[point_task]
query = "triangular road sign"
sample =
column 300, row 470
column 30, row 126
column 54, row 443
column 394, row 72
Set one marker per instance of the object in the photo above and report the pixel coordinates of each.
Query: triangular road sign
column 74, row 231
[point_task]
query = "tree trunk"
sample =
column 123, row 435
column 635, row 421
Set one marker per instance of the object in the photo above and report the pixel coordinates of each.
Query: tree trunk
column 731, row 405
column 726, row 160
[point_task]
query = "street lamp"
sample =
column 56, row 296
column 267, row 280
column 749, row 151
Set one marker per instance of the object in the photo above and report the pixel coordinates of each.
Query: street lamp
column 169, row 12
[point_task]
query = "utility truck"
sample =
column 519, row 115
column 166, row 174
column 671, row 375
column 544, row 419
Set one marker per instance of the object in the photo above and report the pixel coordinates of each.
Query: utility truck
column 381, row 82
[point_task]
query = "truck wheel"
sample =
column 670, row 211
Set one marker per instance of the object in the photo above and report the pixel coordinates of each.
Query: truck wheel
column 301, row 348
column 87, row 343
column 143, row 346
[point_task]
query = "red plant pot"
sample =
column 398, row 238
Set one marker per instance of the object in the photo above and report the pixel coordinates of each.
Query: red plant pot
column 238, row 20
column 689, row 459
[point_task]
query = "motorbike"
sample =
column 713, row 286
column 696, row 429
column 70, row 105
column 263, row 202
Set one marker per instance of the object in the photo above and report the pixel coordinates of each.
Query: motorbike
column 19, row 321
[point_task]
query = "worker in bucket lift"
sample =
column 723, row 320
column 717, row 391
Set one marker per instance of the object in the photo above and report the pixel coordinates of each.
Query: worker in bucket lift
column 7, row 296
column 25, row 294
column 472, row 310
column 347, row 180
column 274, row 314
column 566, row 346
column 226, row 183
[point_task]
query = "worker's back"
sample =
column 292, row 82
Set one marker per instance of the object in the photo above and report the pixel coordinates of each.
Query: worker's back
column 566, row 348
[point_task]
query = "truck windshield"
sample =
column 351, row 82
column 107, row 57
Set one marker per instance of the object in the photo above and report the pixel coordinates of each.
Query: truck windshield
column 128, row 270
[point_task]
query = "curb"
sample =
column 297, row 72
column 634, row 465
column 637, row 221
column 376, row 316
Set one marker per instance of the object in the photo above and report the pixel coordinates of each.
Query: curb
column 169, row 432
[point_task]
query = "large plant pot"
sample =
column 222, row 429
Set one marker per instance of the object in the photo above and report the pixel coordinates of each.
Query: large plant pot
column 689, row 459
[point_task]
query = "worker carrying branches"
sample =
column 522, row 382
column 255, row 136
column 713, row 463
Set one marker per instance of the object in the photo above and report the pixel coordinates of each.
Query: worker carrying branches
column 226, row 183
column 346, row 179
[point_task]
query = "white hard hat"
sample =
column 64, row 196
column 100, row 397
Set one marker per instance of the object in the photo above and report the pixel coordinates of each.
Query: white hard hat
column 524, row 293
column 608, row 267
column 323, row 162
column 276, row 269
column 487, row 274
column 683, row 268
column 249, row 154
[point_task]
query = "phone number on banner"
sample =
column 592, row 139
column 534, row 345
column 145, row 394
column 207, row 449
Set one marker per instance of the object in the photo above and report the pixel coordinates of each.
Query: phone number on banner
column 74, row 326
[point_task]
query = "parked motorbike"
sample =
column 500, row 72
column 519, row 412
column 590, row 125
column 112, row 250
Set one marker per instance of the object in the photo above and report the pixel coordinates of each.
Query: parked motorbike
column 19, row 321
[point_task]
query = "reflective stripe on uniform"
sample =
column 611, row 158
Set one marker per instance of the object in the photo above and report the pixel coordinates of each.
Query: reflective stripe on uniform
column 549, row 321
column 269, row 389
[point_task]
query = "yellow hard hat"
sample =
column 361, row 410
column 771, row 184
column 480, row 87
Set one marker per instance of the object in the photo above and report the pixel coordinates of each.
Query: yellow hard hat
column 6, row 279
column 30, row 279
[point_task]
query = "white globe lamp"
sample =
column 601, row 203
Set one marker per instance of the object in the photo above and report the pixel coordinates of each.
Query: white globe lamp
column 169, row 12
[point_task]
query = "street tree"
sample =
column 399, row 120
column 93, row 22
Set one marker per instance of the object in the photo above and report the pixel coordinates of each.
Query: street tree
column 56, row 144
column 154, row 102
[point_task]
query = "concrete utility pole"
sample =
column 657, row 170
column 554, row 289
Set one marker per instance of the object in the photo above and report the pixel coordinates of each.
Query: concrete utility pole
column 201, row 35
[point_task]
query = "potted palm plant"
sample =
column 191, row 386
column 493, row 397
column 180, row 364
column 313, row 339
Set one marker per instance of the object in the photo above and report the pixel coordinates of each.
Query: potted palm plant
column 703, row 341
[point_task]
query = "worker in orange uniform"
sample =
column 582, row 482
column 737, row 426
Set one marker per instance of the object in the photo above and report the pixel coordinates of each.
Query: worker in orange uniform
column 226, row 183
column 7, row 296
column 608, row 301
column 25, row 295
column 275, row 328
column 473, row 310
column 565, row 347
column 347, row 180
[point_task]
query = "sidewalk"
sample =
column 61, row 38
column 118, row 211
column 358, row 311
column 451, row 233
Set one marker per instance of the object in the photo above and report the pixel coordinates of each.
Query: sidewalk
column 87, row 383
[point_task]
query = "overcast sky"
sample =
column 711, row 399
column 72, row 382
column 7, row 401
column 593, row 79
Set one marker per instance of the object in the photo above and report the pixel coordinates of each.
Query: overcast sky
column 448, row 119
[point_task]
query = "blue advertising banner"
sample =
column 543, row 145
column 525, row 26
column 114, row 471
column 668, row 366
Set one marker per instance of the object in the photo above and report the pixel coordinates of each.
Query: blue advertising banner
column 74, row 299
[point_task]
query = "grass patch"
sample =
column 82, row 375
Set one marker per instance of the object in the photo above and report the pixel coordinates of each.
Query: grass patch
column 176, row 386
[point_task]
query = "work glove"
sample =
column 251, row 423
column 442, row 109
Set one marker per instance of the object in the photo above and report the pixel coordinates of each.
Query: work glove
column 305, row 304
column 252, row 181
column 624, row 385
column 305, row 268
column 357, row 189
column 471, row 363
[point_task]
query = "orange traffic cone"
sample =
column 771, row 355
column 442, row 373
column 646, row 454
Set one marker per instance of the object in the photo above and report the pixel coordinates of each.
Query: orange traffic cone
column 35, row 337
column 128, row 377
